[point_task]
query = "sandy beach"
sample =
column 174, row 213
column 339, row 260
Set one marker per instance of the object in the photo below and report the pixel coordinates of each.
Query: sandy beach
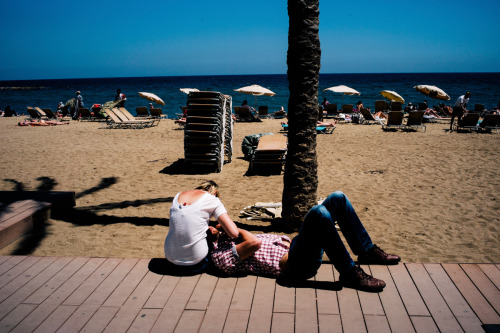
column 430, row 197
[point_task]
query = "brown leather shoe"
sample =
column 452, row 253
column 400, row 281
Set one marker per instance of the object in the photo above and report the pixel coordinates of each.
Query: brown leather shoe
column 377, row 256
column 357, row 278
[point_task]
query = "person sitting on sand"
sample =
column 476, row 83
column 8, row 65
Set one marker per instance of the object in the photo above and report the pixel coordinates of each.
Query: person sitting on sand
column 186, row 248
column 300, row 259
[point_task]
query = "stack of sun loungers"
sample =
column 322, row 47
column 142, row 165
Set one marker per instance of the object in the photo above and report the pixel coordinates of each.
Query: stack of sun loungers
column 208, row 134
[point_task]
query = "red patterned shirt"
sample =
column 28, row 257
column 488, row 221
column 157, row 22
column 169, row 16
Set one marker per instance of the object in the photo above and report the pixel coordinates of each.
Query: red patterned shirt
column 263, row 262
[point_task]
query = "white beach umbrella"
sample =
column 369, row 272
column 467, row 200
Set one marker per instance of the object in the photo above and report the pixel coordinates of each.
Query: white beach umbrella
column 151, row 97
column 188, row 90
column 433, row 92
column 255, row 90
column 392, row 96
column 344, row 90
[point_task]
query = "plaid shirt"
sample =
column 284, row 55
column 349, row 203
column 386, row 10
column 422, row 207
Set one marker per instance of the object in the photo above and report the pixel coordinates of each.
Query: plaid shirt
column 263, row 262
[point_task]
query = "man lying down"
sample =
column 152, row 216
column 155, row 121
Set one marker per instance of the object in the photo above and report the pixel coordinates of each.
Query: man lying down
column 300, row 259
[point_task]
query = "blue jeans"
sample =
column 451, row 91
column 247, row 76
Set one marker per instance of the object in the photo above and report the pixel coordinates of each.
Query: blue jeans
column 179, row 270
column 317, row 234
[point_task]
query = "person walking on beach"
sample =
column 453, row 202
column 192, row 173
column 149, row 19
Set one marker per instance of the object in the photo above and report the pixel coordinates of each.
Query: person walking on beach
column 78, row 104
column 300, row 259
column 186, row 247
column 459, row 108
column 120, row 97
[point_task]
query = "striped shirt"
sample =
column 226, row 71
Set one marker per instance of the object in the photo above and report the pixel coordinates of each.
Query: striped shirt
column 263, row 262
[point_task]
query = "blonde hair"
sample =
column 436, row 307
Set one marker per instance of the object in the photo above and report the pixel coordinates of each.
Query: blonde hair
column 209, row 186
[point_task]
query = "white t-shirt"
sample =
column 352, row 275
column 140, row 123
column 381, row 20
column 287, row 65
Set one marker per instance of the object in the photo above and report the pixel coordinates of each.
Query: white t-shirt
column 186, row 242
column 461, row 101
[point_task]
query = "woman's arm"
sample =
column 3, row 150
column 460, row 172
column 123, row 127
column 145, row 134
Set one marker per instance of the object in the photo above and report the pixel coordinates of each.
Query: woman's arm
column 249, row 244
column 228, row 225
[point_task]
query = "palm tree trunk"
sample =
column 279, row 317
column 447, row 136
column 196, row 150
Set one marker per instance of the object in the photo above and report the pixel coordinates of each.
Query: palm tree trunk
column 304, row 54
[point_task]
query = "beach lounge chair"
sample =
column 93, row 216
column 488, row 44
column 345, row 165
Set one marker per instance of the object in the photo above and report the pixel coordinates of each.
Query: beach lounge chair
column 319, row 129
column 347, row 108
column 43, row 114
column 368, row 118
column 479, row 108
column 331, row 111
column 468, row 122
column 414, row 121
column 263, row 111
column 157, row 113
column 280, row 114
column 381, row 106
column 243, row 114
column 490, row 122
column 85, row 114
column 142, row 112
column 270, row 154
column 33, row 114
column 396, row 106
column 394, row 121
column 116, row 119
column 129, row 116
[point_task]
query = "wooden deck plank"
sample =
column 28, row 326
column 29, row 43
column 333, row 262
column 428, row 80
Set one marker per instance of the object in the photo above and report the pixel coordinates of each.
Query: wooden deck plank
column 424, row 324
column 350, row 311
column 34, row 318
column 128, row 284
column 283, row 323
column 58, row 296
column 484, row 284
column 144, row 321
column 370, row 302
column 15, row 317
column 476, row 300
column 329, row 323
column 236, row 321
column 492, row 272
column 218, row 307
column 327, row 299
column 458, row 305
column 162, row 292
column 262, row 306
column 306, row 311
column 284, row 299
column 376, row 323
column 444, row 318
column 100, row 319
column 56, row 319
column 92, row 282
column 106, row 288
column 202, row 293
column 78, row 319
column 13, row 268
column 130, row 309
column 171, row 313
column 394, row 309
column 190, row 321
column 23, row 286
column 9, row 262
column 244, row 293
column 2, row 260
column 57, row 280
column 414, row 304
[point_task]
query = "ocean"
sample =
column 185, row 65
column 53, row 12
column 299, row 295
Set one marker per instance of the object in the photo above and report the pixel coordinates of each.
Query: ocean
column 484, row 87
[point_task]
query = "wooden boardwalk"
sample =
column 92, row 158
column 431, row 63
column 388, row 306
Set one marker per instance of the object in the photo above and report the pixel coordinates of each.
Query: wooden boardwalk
column 78, row 294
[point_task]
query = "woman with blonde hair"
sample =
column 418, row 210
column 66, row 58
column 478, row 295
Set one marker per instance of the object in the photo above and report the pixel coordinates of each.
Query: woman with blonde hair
column 186, row 248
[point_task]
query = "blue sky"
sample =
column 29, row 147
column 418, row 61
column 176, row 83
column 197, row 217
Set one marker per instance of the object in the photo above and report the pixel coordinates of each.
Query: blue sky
column 69, row 39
